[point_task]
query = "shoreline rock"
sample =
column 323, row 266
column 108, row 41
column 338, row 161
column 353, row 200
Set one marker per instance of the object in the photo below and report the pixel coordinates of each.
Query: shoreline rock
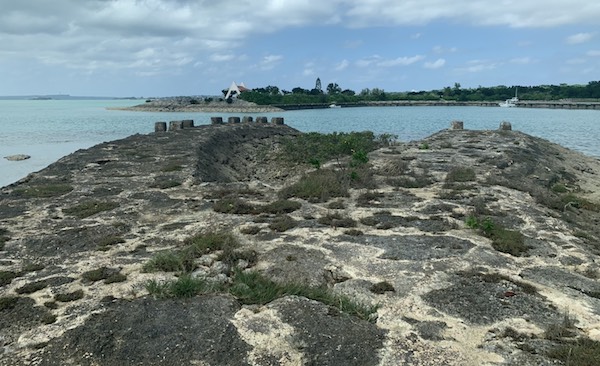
column 416, row 240
column 17, row 157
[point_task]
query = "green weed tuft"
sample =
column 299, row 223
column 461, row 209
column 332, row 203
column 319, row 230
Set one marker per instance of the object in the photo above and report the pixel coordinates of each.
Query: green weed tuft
column 89, row 208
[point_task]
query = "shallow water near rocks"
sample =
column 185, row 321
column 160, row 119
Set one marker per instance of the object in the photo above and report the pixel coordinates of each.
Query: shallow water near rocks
column 50, row 129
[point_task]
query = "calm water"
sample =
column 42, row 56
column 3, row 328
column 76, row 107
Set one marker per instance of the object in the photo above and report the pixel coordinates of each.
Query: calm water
column 50, row 129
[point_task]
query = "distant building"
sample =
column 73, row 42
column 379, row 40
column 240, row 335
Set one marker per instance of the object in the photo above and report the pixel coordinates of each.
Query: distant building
column 235, row 90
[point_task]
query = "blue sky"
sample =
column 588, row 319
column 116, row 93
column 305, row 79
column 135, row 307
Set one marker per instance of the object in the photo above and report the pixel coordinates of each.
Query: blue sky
column 198, row 47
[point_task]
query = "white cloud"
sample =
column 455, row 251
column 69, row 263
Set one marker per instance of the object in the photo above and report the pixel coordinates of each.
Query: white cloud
column 270, row 61
column 440, row 49
column 474, row 66
column 377, row 60
column 415, row 36
column 218, row 57
column 522, row 60
column 579, row 38
column 593, row 53
column 342, row 65
column 576, row 61
column 440, row 62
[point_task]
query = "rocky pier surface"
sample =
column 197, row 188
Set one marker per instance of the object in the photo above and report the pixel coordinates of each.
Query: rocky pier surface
column 209, row 246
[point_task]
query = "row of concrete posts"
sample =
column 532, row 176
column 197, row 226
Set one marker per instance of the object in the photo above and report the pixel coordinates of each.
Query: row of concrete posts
column 459, row 125
column 189, row 123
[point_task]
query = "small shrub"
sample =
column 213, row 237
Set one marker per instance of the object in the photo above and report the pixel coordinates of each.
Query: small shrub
column 394, row 168
column 559, row 188
column 117, row 277
column 68, row 297
column 99, row 274
column 580, row 352
column 281, row 207
column 6, row 277
column 165, row 183
column 169, row 261
column 503, row 240
column 460, row 174
column 184, row 286
column 205, row 243
column 51, row 304
column 31, row 267
column 8, row 302
column 3, row 237
column 382, row 287
column 365, row 198
column 282, row 223
column 508, row 241
column 250, row 230
column 336, row 205
column 171, row 167
column 44, row 191
column 48, row 318
column 354, row 232
column 336, row 220
column 415, row 181
column 233, row 206
column 318, row 186
column 108, row 241
column 89, row 208
column 252, row 288
column 32, row 287
column 424, row 146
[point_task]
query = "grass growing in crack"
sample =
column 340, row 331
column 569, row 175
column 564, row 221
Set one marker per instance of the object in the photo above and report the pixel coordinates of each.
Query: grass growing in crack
column 89, row 208
column 580, row 352
column 182, row 260
column 570, row 350
column 184, row 286
column 44, row 191
column 503, row 240
column 253, row 288
column 99, row 274
column 169, row 261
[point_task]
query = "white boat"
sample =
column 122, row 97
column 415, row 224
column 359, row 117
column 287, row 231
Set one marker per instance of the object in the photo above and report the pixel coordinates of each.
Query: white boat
column 335, row 106
column 509, row 103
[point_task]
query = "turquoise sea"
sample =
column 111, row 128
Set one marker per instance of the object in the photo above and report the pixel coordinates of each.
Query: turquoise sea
column 50, row 129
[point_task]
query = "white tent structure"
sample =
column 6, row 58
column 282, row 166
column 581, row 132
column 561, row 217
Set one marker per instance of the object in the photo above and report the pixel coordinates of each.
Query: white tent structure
column 235, row 90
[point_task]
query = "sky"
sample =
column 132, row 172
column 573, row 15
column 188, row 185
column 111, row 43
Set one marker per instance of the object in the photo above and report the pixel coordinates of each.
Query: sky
column 156, row 48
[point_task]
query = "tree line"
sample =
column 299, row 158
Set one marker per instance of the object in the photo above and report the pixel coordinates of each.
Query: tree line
column 333, row 93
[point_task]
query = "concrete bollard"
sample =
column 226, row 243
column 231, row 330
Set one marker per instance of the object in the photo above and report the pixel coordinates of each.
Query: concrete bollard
column 175, row 125
column 160, row 126
column 505, row 126
column 246, row 119
column 216, row 120
column 261, row 119
column 187, row 123
column 277, row 120
column 457, row 125
column 233, row 120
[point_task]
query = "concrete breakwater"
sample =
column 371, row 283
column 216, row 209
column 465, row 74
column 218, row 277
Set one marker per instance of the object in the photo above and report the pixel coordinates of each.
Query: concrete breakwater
column 189, row 123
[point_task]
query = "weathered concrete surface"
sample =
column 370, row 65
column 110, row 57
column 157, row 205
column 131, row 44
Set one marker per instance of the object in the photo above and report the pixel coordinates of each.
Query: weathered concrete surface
column 449, row 297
